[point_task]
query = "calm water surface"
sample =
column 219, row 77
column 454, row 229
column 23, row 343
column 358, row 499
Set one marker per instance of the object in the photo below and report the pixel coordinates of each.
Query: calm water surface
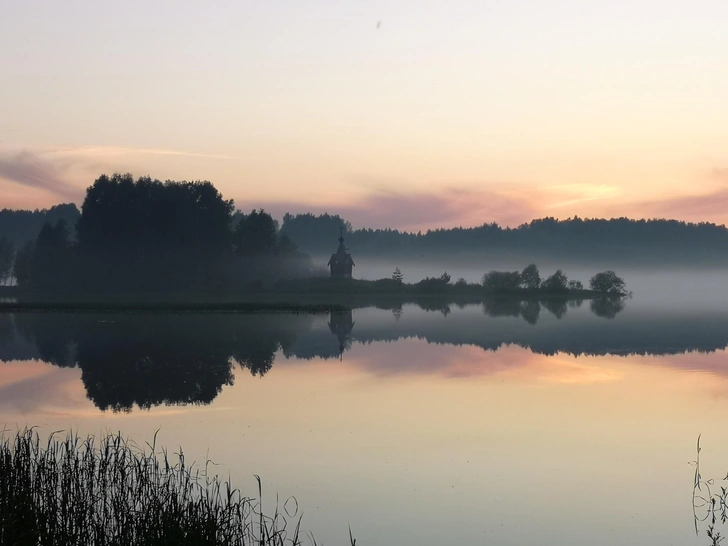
column 498, row 424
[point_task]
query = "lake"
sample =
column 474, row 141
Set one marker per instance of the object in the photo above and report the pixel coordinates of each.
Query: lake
column 503, row 423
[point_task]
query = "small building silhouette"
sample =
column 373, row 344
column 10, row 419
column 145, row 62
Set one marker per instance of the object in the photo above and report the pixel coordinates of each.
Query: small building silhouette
column 341, row 262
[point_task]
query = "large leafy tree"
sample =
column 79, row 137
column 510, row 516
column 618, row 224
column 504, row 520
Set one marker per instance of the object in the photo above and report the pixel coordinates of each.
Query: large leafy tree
column 530, row 277
column 257, row 235
column 146, row 233
column 607, row 282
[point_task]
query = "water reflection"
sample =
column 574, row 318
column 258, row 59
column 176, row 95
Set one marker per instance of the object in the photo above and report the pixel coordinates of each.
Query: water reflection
column 129, row 360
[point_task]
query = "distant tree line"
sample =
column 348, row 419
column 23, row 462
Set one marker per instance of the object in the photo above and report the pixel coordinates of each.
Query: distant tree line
column 21, row 226
column 148, row 235
column 526, row 282
column 606, row 282
column 614, row 240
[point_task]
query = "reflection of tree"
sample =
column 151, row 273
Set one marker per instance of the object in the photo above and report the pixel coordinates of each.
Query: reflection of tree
column 530, row 310
column 52, row 334
column 256, row 351
column 606, row 307
column 435, row 305
column 556, row 306
column 397, row 312
column 146, row 360
column 502, row 307
column 7, row 329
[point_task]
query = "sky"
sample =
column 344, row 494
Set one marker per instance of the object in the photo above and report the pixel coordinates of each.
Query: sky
column 403, row 114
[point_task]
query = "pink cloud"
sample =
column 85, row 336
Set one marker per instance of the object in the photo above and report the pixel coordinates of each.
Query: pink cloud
column 30, row 170
column 419, row 211
column 709, row 207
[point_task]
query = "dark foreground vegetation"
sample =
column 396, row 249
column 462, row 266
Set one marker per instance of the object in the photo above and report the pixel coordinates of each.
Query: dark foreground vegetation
column 113, row 492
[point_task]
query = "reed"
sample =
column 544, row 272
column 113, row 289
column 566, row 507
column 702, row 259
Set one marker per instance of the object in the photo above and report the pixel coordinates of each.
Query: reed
column 113, row 492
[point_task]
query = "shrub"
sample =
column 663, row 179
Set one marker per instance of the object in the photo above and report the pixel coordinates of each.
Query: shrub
column 502, row 281
column 607, row 282
column 555, row 283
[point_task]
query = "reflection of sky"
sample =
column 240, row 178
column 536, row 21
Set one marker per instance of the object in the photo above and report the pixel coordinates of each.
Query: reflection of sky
column 440, row 444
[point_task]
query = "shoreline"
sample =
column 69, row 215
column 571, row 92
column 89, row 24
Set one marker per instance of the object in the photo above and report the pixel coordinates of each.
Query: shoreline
column 271, row 302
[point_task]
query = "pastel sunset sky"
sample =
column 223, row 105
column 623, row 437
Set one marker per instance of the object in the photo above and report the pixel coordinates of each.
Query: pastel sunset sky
column 407, row 114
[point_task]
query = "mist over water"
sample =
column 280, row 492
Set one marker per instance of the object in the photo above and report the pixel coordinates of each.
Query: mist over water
column 655, row 288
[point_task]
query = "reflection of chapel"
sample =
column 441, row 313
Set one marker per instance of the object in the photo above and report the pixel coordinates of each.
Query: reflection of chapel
column 341, row 323
column 341, row 262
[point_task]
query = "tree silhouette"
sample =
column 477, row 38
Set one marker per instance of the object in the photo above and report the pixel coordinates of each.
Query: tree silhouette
column 7, row 256
column 23, row 263
column 501, row 281
column 530, row 277
column 51, row 258
column 256, row 235
column 607, row 282
column 555, row 283
column 397, row 275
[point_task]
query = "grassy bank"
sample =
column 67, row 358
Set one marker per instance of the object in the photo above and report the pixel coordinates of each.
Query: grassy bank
column 79, row 492
column 316, row 295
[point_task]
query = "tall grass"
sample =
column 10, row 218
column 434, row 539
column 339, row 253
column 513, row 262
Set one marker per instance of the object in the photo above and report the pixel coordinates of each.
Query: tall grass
column 83, row 492
column 708, row 505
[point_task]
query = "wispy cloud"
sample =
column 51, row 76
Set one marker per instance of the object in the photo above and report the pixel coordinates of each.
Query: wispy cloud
column 116, row 151
column 54, row 170
column 564, row 195
column 29, row 169
column 447, row 208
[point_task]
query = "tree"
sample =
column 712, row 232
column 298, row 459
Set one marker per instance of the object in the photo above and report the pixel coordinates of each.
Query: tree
column 607, row 282
column 555, row 283
column 51, row 259
column 7, row 255
column 286, row 246
column 530, row 277
column 575, row 285
column 434, row 284
column 147, row 234
column 397, row 275
column 501, row 281
column 22, row 265
column 256, row 234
